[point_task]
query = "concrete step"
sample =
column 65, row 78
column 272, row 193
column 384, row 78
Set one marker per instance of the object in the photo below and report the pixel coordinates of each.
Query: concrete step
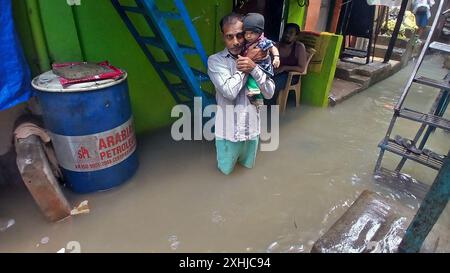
column 360, row 79
column 397, row 53
column 353, row 77
column 372, row 69
column 342, row 89
column 384, row 40
column 364, row 74
column 345, row 69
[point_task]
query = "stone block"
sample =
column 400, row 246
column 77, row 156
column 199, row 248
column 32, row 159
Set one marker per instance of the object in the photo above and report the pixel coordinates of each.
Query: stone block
column 373, row 224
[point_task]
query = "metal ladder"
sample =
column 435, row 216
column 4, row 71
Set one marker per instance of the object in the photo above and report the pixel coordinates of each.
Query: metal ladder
column 189, row 85
column 430, row 121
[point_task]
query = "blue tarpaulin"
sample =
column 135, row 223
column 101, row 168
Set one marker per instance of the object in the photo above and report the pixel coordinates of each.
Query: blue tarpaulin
column 15, row 76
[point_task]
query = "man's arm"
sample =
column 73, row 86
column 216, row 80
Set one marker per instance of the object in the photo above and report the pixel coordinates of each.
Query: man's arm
column 255, row 53
column 229, row 85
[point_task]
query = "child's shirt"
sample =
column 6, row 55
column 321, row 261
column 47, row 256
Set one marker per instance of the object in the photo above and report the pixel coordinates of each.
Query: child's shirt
column 264, row 44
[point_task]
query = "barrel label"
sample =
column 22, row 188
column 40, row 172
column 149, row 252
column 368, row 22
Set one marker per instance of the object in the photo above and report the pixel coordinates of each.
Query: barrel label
column 95, row 152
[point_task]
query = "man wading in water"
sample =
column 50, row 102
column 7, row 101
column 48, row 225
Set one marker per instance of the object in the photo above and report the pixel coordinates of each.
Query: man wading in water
column 237, row 125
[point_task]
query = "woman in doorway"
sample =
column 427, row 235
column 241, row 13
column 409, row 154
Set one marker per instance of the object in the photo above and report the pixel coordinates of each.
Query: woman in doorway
column 292, row 58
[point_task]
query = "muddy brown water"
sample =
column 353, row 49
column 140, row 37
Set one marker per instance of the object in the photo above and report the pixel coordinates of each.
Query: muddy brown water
column 179, row 202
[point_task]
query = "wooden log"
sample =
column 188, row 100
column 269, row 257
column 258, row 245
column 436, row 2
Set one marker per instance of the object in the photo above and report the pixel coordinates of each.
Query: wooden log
column 39, row 179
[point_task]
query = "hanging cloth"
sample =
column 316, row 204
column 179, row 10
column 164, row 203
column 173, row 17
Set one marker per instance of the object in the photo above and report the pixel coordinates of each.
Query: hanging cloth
column 361, row 19
column 15, row 78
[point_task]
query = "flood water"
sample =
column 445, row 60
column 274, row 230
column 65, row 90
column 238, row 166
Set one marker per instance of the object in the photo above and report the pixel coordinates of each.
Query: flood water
column 179, row 202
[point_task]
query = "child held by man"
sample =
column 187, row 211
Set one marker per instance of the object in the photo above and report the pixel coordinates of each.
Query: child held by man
column 254, row 35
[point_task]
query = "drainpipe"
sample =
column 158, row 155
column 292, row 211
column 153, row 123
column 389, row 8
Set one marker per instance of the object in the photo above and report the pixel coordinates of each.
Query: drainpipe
column 38, row 34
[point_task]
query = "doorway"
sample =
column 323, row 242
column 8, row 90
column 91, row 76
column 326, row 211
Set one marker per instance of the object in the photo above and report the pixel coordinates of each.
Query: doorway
column 274, row 12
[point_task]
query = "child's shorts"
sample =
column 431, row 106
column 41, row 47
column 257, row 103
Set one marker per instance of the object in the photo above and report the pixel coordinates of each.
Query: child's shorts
column 229, row 153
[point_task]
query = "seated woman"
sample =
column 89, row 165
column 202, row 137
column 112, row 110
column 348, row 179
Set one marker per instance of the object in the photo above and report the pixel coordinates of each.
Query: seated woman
column 292, row 58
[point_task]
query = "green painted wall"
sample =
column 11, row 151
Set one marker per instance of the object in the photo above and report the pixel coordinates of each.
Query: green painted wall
column 94, row 32
column 296, row 13
column 316, row 86
column 60, row 29
column 23, row 28
column 29, row 26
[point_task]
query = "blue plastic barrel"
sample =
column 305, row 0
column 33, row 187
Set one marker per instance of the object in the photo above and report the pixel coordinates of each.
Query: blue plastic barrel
column 91, row 126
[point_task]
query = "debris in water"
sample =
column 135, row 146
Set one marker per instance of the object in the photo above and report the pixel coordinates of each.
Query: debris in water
column 389, row 106
column 217, row 218
column 436, row 245
column 272, row 247
column 45, row 240
column 174, row 243
column 372, row 246
column 82, row 208
column 321, row 232
column 6, row 223
column 355, row 179
column 74, row 247
column 295, row 224
column 296, row 249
